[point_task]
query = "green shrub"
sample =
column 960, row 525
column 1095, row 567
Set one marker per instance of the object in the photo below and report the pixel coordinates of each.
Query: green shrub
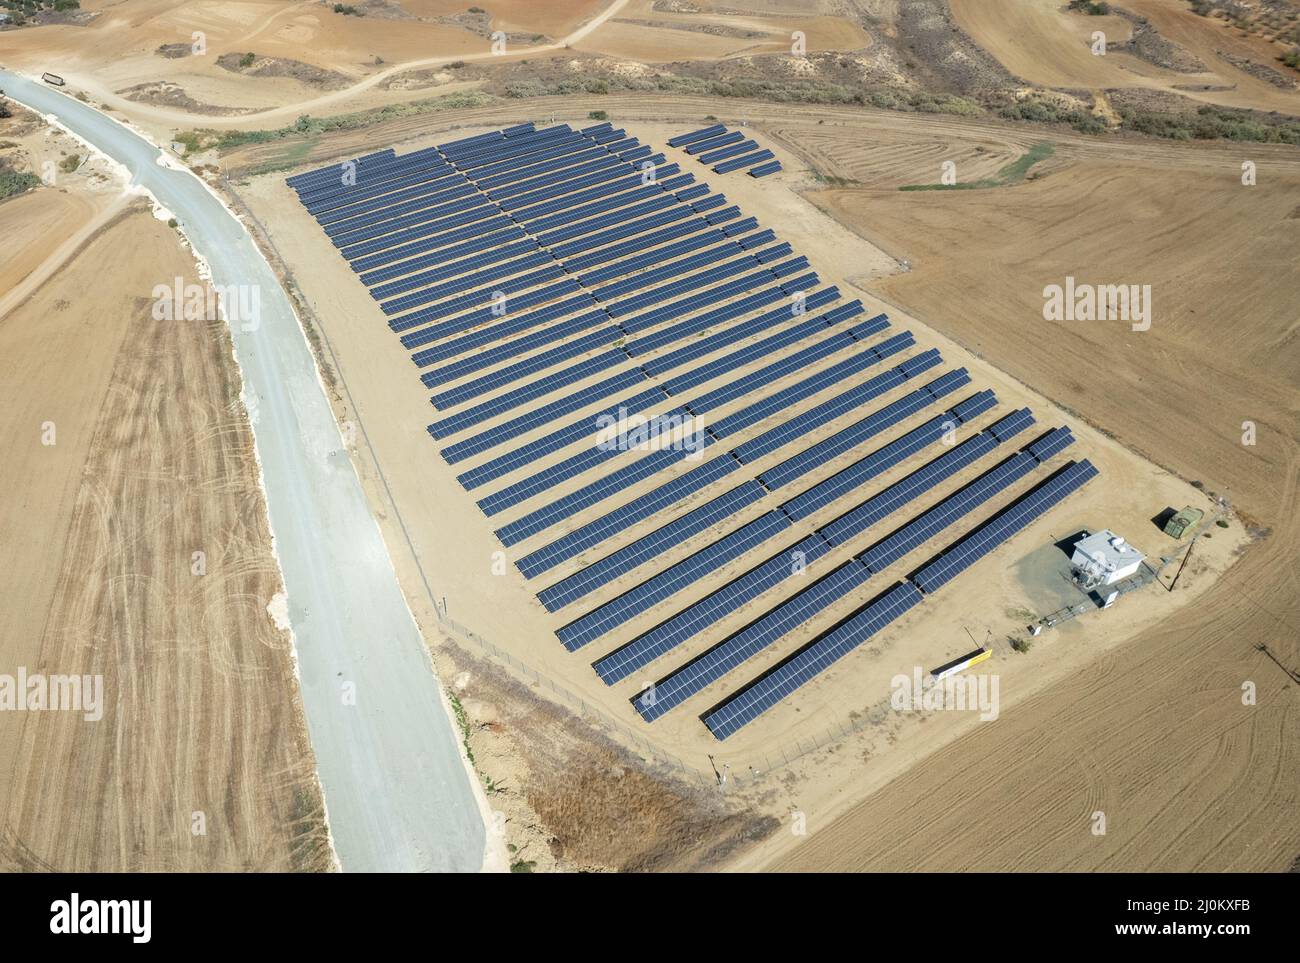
column 247, row 60
column 14, row 181
column 598, row 115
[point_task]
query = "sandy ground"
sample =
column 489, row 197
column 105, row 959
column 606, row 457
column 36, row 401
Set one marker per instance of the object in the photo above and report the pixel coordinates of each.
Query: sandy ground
column 381, row 394
column 1044, row 43
column 200, row 761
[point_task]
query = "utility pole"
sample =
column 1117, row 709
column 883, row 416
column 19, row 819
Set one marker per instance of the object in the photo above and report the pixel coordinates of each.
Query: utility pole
column 1183, row 565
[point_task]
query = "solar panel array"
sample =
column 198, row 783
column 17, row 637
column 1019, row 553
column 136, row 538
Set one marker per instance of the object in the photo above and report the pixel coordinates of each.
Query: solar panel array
column 673, row 418
column 726, row 151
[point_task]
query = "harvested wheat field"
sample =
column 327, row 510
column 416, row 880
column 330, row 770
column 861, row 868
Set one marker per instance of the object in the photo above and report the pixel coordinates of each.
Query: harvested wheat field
column 135, row 540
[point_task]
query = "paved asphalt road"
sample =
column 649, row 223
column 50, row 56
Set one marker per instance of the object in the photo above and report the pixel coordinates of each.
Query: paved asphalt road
column 398, row 795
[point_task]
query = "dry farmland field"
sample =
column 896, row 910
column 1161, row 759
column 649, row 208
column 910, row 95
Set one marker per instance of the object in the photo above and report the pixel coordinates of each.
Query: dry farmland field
column 129, row 453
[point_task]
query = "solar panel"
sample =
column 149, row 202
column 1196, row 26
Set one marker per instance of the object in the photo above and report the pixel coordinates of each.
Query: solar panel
column 668, row 635
column 639, row 509
column 863, row 470
column 707, row 668
column 722, row 153
column 487, row 357
column 818, row 382
column 528, row 366
column 843, row 441
column 526, row 393
column 709, row 143
column 523, row 292
column 756, row 698
column 762, row 170
column 532, row 419
column 880, row 506
column 597, row 491
column 1001, row 527
column 659, row 588
column 366, row 266
column 553, row 441
column 736, row 163
column 681, row 140
column 619, row 563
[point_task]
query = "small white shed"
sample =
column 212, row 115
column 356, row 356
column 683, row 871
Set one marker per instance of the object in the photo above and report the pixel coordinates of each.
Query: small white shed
column 1106, row 557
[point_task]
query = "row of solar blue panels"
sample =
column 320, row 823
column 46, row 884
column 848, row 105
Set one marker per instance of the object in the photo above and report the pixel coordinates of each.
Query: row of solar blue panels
column 652, row 645
column 598, row 574
column 736, row 163
column 682, row 140
column 607, row 449
column 961, row 503
column 762, row 170
column 569, row 376
column 712, row 143
column 989, row 536
column 765, row 692
column 553, row 554
column 503, row 464
column 731, row 150
column 704, row 670
column 881, row 506
column 465, row 419
column 542, row 519
column 358, row 182
column 300, row 181
column 568, row 545
column 707, row 668
column 677, row 630
column 663, row 585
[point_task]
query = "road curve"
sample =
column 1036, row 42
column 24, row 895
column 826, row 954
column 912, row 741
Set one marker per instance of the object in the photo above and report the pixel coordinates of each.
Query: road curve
column 397, row 792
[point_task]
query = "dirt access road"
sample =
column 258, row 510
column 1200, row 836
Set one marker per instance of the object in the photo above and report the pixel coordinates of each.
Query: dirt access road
column 181, row 118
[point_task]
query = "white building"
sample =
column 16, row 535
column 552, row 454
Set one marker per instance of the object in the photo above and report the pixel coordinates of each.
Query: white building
column 1106, row 557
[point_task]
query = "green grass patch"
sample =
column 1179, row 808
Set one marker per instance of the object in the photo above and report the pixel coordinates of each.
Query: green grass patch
column 14, row 182
column 1013, row 173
